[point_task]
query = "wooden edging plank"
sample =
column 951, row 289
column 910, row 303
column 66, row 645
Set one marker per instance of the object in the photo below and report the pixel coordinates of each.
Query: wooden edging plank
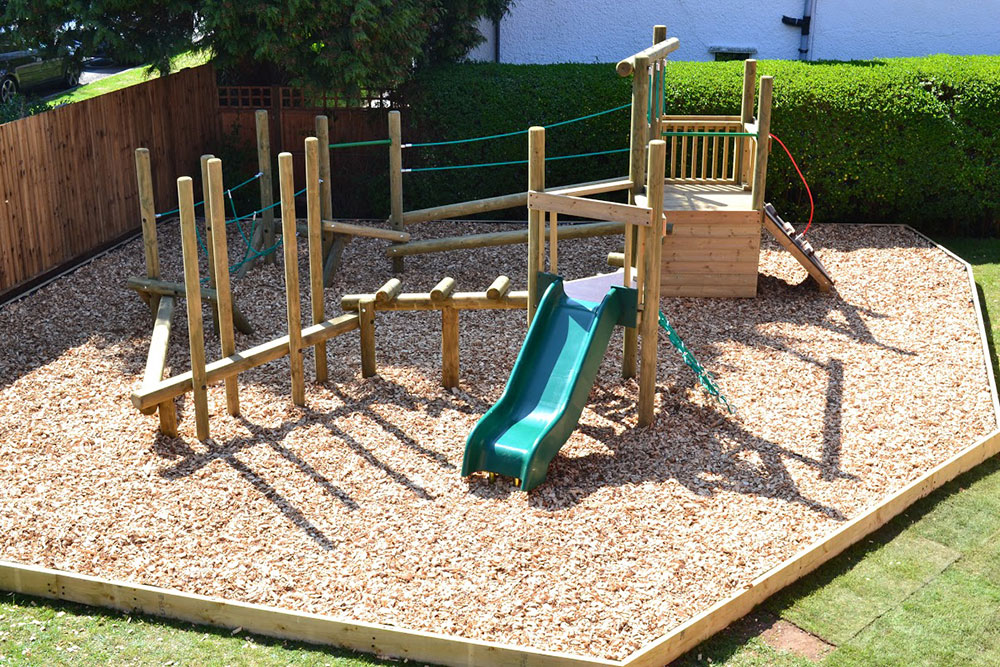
column 691, row 633
column 274, row 622
column 590, row 208
column 974, row 291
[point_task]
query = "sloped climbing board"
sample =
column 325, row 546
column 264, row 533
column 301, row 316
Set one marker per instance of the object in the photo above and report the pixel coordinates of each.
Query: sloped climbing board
column 798, row 246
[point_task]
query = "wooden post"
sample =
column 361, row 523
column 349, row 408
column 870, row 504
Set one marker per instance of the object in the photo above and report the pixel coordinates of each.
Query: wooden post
column 192, row 286
column 224, row 296
column 206, row 198
column 366, row 324
column 659, row 35
column 313, row 206
column 637, row 174
column 651, row 268
column 333, row 244
column 763, row 143
column 396, row 180
column 746, row 116
column 156, row 361
column 286, row 180
column 553, row 242
column 266, row 183
column 536, row 226
column 449, row 347
column 147, row 212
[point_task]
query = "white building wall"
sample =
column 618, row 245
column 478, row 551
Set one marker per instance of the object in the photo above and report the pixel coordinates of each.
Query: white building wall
column 550, row 31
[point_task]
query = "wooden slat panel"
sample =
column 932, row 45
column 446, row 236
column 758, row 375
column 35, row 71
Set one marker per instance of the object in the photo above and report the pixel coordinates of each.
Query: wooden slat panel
column 686, row 265
column 682, row 244
column 66, row 175
column 737, row 279
column 697, row 291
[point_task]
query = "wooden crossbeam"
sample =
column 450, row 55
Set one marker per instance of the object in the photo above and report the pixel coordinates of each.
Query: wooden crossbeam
column 219, row 370
column 177, row 290
column 490, row 239
column 590, row 208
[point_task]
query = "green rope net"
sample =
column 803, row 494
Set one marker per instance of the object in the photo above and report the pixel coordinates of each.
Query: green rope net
column 705, row 377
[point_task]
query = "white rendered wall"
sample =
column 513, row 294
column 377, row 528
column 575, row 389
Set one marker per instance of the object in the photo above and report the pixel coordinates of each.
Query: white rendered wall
column 549, row 31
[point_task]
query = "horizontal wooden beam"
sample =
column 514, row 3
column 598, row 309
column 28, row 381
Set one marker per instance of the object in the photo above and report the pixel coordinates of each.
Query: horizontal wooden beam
column 473, row 207
column 595, row 209
column 218, row 371
column 593, row 187
column 654, row 53
column 178, row 291
column 514, row 237
column 514, row 200
column 457, row 301
column 156, row 360
column 387, row 640
column 364, row 230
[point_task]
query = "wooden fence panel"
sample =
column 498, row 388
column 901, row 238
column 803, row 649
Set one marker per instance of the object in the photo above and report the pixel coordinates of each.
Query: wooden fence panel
column 67, row 176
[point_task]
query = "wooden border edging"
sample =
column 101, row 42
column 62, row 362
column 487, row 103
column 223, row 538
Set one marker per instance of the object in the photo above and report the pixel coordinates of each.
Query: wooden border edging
column 275, row 622
column 691, row 633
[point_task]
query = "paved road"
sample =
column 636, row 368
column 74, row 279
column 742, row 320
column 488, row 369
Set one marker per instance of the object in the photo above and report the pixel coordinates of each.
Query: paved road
column 90, row 74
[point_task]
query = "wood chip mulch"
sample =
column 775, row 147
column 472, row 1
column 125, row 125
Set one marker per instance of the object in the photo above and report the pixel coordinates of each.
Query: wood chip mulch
column 354, row 506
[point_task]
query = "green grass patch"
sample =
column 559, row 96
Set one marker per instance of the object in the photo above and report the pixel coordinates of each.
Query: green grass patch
column 737, row 651
column 862, row 586
column 984, row 256
column 42, row 632
column 951, row 621
column 128, row 78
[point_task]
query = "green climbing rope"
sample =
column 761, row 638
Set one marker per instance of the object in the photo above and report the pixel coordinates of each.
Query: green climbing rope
column 705, row 377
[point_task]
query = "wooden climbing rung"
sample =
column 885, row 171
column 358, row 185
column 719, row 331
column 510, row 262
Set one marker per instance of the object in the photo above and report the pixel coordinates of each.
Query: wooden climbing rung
column 798, row 246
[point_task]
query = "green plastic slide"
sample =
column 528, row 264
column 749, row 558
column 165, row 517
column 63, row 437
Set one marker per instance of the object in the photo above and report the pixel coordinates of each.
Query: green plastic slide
column 549, row 385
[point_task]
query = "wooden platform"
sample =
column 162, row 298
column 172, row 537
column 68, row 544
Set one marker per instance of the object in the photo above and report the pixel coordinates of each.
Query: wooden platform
column 713, row 243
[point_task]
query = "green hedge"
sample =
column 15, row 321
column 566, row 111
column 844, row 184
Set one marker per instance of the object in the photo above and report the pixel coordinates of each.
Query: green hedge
column 914, row 140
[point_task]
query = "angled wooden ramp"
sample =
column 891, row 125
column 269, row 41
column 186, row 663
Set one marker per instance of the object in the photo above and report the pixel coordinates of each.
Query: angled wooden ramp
column 798, row 246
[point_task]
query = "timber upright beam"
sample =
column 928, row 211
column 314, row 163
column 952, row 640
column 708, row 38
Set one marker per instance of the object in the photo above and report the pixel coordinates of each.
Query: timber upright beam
column 637, row 174
column 286, row 182
column 763, row 143
column 147, row 212
column 746, row 118
column 333, row 244
column 313, row 206
column 536, row 222
column 396, row 180
column 652, row 253
column 196, row 334
column 206, row 208
column 224, row 300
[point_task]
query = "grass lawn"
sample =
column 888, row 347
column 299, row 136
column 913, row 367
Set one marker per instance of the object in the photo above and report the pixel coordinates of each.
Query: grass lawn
column 127, row 78
column 924, row 589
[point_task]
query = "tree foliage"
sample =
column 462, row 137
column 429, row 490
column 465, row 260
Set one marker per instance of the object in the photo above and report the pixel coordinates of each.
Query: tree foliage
column 339, row 45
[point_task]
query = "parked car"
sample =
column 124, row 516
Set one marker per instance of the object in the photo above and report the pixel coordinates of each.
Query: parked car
column 24, row 68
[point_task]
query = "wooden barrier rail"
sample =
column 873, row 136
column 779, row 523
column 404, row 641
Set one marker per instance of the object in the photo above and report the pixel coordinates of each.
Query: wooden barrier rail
column 442, row 297
column 490, row 239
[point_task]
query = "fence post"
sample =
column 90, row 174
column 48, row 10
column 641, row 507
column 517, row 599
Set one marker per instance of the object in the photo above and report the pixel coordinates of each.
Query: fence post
column 314, row 148
column 637, row 174
column 746, row 116
column 147, row 211
column 536, row 219
column 763, row 142
column 286, row 183
column 651, row 268
column 224, row 297
column 266, row 182
column 192, row 294
column 333, row 244
column 396, row 180
column 206, row 208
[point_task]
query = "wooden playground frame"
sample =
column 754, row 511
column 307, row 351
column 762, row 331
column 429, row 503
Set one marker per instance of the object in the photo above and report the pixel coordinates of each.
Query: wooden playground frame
column 644, row 235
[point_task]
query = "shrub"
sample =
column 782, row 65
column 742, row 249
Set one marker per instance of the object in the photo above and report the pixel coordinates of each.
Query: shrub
column 909, row 140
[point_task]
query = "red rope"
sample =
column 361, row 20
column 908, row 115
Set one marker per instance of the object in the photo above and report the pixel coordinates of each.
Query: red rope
column 812, row 206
